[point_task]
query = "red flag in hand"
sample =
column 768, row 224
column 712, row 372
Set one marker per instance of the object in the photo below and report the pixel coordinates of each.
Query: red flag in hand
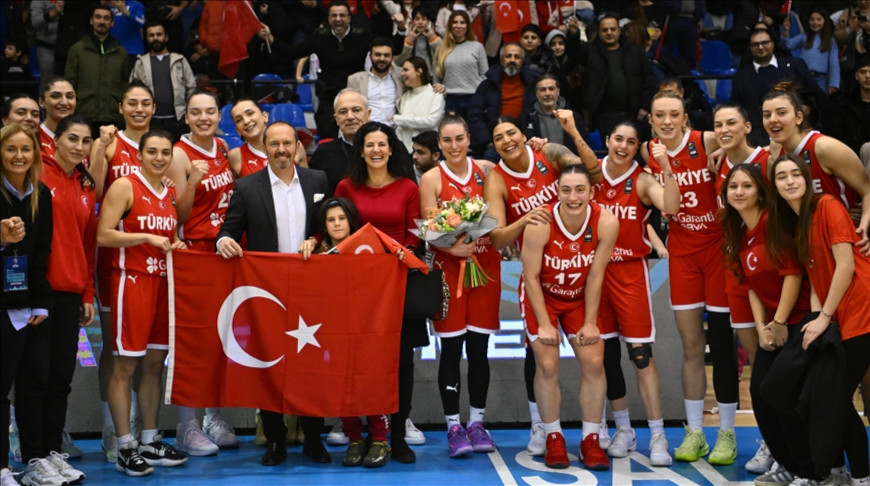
column 369, row 239
column 239, row 25
column 273, row 331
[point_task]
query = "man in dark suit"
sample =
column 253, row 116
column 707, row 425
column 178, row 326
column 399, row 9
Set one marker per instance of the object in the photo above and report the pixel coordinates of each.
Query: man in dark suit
column 753, row 81
column 351, row 112
column 275, row 208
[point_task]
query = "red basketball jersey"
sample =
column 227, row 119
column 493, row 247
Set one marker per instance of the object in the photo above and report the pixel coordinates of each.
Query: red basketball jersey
column 252, row 160
column 454, row 187
column 153, row 213
column 758, row 157
column 47, row 146
column 535, row 187
column 695, row 225
column 125, row 160
column 619, row 196
column 567, row 257
column 213, row 193
column 824, row 183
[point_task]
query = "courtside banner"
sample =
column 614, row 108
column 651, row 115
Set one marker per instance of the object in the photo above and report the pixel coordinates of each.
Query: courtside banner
column 272, row 331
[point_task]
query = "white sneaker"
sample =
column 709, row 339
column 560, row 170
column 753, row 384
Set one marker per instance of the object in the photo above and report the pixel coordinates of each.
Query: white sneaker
column 761, row 461
column 803, row 482
column 7, row 478
column 40, row 472
column 336, row 436
column 109, row 444
column 190, row 439
column 537, row 440
column 68, row 446
column 219, row 431
column 413, row 435
column 623, row 442
column 603, row 436
column 68, row 472
column 659, row 455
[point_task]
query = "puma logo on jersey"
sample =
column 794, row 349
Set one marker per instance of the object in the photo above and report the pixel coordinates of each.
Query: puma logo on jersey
column 124, row 152
column 453, row 185
column 558, row 243
column 146, row 199
column 133, row 278
column 46, row 145
column 517, row 188
column 253, row 161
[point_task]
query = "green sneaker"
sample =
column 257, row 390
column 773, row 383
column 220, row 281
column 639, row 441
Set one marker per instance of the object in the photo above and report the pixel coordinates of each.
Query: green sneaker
column 356, row 453
column 725, row 451
column 694, row 446
column 378, row 455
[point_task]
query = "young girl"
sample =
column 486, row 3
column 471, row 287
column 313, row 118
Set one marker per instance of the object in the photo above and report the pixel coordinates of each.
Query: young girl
column 819, row 49
column 697, row 276
column 337, row 219
column 818, row 230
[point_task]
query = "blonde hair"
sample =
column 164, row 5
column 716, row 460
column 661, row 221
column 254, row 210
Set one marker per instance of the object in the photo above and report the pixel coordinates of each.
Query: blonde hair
column 674, row 96
column 35, row 169
column 449, row 42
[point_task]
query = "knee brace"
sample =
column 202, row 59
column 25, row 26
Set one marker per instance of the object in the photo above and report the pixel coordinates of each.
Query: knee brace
column 640, row 355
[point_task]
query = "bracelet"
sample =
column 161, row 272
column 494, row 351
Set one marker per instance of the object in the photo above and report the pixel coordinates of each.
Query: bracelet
column 829, row 316
column 781, row 323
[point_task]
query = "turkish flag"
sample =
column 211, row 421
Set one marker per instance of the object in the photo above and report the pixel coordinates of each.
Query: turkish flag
column 369, row 239
column 511, row 15
column 238, row 26
column 786, row 8
column 273, row 331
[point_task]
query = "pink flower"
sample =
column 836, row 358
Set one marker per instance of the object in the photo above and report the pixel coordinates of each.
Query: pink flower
column 454, row 220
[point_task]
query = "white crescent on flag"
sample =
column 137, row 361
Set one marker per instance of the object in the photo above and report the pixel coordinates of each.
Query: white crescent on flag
column 225, row 325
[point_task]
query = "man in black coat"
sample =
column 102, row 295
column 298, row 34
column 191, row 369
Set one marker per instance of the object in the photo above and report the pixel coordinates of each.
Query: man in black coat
column 618, row 82
column 540, row 121
column 754, row 80
column 351, row 112
column 253, row 212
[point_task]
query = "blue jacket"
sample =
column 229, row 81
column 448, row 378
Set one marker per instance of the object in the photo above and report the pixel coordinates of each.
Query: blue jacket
column 486, row 104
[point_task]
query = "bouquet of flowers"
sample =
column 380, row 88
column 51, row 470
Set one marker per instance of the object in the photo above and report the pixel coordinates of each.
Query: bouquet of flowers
column 454, row 217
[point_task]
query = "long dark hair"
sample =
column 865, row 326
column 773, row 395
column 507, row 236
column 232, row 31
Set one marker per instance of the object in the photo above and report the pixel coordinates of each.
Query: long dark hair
column 732, row 222
column 398, row 165
column 349, row 210
column 87, row 180
column 788, row 234
column 825, row 34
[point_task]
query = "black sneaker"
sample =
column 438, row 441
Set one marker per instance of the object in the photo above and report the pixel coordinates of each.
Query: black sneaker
column 131, row 463
column 159, row 453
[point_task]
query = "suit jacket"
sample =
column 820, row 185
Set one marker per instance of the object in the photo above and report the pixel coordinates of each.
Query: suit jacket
column 331, row 157
column 252, row 210
column 360, row 82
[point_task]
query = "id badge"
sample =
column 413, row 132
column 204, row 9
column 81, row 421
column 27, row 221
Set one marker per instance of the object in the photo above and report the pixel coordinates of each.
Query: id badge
column 15, row 270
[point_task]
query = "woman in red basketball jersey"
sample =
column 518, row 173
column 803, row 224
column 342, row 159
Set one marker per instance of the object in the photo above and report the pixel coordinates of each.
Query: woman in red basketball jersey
column 697, row 274
column 58, row 97
column 818, row 229
column 473, row 315
column 250, row 120
column 563, row 272
column 835, row 168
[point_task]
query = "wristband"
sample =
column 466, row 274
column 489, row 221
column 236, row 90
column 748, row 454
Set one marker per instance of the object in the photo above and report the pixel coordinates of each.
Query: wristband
column 829, row 316
column 781, row 323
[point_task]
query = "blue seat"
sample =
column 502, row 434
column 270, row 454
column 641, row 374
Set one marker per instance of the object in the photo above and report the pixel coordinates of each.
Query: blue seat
column 723, row 87
column 266, row 77
column 288, row 112
column 226, row 124
column 305, row 96
column 715, row 57
column 233, row 141
column 595, row 142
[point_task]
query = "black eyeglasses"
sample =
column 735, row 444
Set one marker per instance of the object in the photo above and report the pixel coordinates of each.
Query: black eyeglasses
column 760, row 43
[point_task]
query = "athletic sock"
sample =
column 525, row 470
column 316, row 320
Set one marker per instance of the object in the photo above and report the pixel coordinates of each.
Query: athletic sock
column 452, row 420
column 533, row 411
column 590, row 428
column 656, row 426
column 148, row 435
column 476, row 415
column 550, row 427
column 694, row 413
column 727, row 415
column 125, row 441
column 622, row 418
column 185, row 415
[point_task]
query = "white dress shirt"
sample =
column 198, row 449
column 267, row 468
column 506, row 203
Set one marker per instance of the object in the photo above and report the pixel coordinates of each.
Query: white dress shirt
column 289, row 211
column 382, row 98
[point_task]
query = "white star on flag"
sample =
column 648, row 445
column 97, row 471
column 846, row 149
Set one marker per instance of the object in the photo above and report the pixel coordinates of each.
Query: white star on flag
column 304, row 335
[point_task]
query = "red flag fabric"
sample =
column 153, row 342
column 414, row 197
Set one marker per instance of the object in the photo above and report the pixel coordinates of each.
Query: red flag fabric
column 786, row 7
column 511, row 15
column 273, row 331
column 239, row 25
column 369, row 239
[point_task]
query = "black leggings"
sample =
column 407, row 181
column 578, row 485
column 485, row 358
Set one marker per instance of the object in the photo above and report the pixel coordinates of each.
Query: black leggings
column 613, row 369
column 724, row 355
column 855, row 436
column 449, row 378
column 529, row 370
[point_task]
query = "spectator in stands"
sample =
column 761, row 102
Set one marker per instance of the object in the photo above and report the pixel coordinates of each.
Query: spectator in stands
column 819, row 50
column 305, row 16
column 381, row 84
column 45, row 17
column 508, row 90
column 14, row 71
column 351, row 112
column 460, row 64
column 853, row 109
column 569, row 70
column 421, row 40
column 21, row 108
column 71, row 26
column 425, row 152
column 683, row 19
column 538, row 57
column 420, row 108
column 755, row 80
column 97, row 66
column 170, row 13
column 700, row 112
column 342, row 52
column 129, row 18
column 618, row 83
column 540, row 119
column 170, row 78
column 853, row 30
column 444, row 21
